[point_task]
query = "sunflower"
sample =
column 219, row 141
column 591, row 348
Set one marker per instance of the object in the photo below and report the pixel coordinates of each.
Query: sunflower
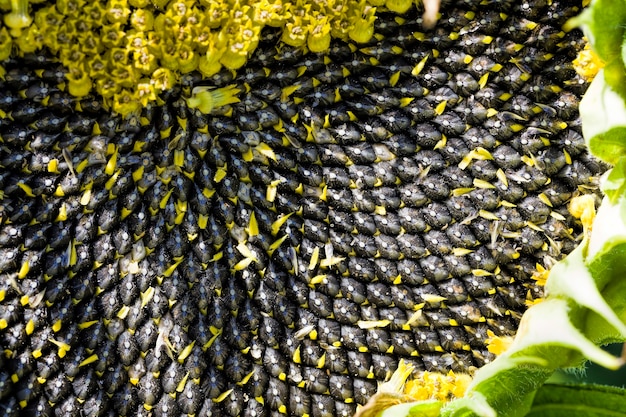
column 266, row 208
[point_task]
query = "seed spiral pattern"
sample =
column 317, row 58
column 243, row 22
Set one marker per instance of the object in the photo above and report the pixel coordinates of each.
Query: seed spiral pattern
column 281, row 254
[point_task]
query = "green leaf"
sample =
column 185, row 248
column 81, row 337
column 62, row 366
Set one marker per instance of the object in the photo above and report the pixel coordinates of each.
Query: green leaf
column 615, row 76
column 614, row 184
column 609, row 231
column 603, row 23
column 596, row 327
column 578, row 401
column 608, row 269
column 571, row 279
column 603, row 114
column 624, row 50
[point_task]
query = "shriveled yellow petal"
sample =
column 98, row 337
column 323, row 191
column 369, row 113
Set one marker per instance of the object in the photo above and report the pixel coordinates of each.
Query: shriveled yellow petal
column 498, row 344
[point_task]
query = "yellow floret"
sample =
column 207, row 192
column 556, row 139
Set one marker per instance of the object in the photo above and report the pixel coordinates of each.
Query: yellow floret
column 18, row 18
column 117, row 11
column 187, row 59
column 437, row 386
column 142, row 20
column 498, row 344
column 363, row 23
column 241, row 40
column 399, row 6
column 295, row 33
column 210, row 63
column 145, row 92
column 169, row 56
column 107, row 86
column 144, row 61
column 319, row 35
column 162, row 79
column 79, row 83
column 126, row 102
column 588, row 63
column 271, row 14
column 583, row 207
column 96, row 67
column 30, row 40
column 206, row 99
column 5, row 44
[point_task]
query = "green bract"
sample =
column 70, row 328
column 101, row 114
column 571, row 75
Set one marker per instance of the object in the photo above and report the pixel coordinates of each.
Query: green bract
column 574, row 401
column 603, row 113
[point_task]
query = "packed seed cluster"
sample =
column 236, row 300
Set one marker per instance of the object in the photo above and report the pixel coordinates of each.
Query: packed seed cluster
column 281, row 254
